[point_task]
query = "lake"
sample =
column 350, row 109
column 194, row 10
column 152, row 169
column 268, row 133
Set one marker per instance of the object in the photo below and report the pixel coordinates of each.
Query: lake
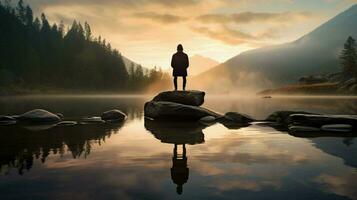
column 138, row 159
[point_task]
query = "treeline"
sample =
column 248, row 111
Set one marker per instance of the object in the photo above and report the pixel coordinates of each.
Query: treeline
column 349, row 57
column 37, row 54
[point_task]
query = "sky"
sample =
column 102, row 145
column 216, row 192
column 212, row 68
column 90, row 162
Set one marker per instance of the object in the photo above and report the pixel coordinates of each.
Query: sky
column 148, row 31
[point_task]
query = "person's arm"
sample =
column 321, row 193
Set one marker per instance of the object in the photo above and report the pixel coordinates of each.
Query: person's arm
column 187, row 62
column 172, row 61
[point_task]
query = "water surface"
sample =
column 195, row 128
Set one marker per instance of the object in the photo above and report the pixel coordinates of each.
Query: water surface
column 137, row 159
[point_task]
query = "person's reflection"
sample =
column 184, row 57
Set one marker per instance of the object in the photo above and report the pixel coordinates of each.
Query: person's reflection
column 179, row 169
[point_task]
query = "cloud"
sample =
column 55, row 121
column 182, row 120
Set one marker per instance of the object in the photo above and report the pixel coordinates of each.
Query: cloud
column 235, row 36
column 162, row 18
column 250, row 17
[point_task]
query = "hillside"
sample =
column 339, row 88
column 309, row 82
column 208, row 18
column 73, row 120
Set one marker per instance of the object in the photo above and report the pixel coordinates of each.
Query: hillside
column 200, row 64
column 315, row 53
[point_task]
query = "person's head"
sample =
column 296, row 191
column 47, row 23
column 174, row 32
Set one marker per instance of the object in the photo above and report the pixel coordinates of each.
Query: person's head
column 179, row 47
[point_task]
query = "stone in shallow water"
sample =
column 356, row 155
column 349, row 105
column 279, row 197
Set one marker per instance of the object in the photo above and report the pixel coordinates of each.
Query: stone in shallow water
column 282, row 117
column 208, row 120
column 91, row 120
column 303, row 129
column 113, row 115
column 337, row 128
column 7, row 120
column 238, row 117
column 39, row 116
column 321, row 120
column 162, row 110
column 191, row 97
column 66, row 123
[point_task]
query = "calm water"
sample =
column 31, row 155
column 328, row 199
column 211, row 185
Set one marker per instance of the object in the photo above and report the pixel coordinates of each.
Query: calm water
column 137, row 159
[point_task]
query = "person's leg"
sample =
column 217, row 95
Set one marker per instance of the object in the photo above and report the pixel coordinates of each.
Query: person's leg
column 184, row 82
column 175, row 82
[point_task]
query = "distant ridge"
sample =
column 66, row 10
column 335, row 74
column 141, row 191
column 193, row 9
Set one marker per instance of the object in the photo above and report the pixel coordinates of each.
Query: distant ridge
column 314, row 53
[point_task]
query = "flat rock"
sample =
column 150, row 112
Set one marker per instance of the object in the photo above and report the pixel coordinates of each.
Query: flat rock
column 238, row 117
column 91, row 120
column 163, row 110
column 321, row 120
column 303, row 129
column 66, row 123
column 208, row 120
column 113, row 115
column 191, row 97
column 39, row 116
column 337, row 128
column 7, row 120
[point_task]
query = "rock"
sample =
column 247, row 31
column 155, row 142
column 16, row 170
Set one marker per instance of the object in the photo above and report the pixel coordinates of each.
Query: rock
column 282, row 117
column 321, row 120
column 7, row 120
column 66, row 123
column 238, row 118
column 113, row 115
column 303, row 129
column 208, row 120
column 163, row 110
column 91, row 120
column 39, row 116
column 337, row 128
column 60, row 115
column 192, row 97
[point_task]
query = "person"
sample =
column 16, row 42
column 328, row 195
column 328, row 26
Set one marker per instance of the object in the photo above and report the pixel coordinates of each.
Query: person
column 179, row 63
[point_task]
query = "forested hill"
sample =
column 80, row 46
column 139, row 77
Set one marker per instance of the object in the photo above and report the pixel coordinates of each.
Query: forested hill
column 36, row 54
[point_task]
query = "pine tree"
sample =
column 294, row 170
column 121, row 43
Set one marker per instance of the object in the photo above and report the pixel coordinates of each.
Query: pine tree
column 349, row 57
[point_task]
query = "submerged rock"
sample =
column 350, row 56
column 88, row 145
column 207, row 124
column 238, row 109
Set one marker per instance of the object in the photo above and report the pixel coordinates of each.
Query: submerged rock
column 67, row 123
column 113, row 115
column 39, row 116
column 163, row 110
column 191, row 97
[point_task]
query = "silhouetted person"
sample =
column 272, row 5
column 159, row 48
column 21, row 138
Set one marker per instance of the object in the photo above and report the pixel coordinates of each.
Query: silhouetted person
column 179, row 63
column 179, row 169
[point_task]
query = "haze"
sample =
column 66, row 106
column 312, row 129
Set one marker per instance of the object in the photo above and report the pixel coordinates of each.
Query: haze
column 147, row 31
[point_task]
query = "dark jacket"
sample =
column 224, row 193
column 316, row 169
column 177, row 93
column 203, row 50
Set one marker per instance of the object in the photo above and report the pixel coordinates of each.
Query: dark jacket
column 179, row 63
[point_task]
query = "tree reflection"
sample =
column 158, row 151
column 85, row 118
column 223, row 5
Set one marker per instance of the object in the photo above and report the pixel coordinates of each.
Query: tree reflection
column 19, row 147
column 178, row 134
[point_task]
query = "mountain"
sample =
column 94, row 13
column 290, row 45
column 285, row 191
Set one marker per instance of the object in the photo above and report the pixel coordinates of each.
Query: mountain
column 315, row 53
column 200, row 64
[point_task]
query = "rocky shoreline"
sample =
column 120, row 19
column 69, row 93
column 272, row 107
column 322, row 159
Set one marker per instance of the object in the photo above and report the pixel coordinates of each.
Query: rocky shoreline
column 175, row 109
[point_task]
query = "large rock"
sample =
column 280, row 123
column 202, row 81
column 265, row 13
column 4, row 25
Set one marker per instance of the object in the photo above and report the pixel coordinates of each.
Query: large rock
column 192, row 97
column 321, row 120
column 39, row 116
column 113, row 115
column 163, row 110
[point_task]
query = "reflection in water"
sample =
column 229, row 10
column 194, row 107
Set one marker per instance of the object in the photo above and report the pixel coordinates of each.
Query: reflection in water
column 179, row 134
column 20, row 146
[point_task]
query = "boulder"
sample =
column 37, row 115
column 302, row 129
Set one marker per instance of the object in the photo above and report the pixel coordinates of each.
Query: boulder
column 66, row 123
column 282, row 117
column 39, row 116
column 303, row 129
column 113, row 115
column 60, row 115
column 163, row 110
column 321, row 120
column 192, row 97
